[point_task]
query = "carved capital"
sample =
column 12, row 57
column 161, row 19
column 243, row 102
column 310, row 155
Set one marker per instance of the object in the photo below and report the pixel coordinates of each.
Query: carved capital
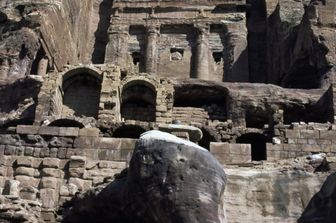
column 153, row 29
column 118, row 29
column 202, row 29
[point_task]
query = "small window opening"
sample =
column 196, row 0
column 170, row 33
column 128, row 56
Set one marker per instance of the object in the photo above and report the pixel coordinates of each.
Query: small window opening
column 108, row 106
column 176, row 54
column 123, row 74
column 136, row 58
column 217, row 56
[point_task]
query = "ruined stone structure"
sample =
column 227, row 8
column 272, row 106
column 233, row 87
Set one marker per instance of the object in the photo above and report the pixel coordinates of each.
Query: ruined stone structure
column 80, row 81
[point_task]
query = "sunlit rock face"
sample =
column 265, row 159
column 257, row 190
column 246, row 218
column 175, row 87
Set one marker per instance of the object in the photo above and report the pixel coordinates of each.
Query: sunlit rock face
column 169, row 180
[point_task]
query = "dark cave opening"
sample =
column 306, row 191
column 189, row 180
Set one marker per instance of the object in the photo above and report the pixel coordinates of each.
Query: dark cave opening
column 207, row 139
column 128, row 131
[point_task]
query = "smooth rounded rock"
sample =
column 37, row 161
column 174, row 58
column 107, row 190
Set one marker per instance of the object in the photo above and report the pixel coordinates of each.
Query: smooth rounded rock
column 169, row 180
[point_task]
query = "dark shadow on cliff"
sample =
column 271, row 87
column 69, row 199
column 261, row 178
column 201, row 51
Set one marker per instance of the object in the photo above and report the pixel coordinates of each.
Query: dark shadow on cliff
column 321, row 208
column 297, row 56
column 101, row 38
column 238, row 70
column 320, row 111
column 18, row 102
column 256, row 20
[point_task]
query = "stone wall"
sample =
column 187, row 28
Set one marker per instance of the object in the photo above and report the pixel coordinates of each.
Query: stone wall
column 287, row 141
column 303, row 139
column 52, row 164
column 229, row 153
column 199, row 116
column 111, row 88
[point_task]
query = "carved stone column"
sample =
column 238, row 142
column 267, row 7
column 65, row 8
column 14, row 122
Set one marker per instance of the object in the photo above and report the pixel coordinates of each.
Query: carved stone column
column 42, row 66
column 151, row 60
column 202, row 53
column 117, row 47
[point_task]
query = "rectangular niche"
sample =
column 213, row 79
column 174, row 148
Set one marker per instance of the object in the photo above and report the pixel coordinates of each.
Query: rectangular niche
column 217, row 57
column 136, row 47
column 175, row 50
column 176, row 54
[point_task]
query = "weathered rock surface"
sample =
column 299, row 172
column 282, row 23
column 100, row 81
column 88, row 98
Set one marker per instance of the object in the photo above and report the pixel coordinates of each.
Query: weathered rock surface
column 322, row 206
column 264, row 98
column 31, row 31
column 19, row 106
column 268, row 195
column 169, row 180
column 291, row 43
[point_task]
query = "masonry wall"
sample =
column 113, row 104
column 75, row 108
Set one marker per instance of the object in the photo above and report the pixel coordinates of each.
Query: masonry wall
column 199, row 116
column 303, row 139
column 288, row 141
column 49, row 165
column 230, row 153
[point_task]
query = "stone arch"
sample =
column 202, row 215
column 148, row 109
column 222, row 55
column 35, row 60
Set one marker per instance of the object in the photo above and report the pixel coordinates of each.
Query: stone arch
column 66, row 123
column 83, row 69
column 208, row 137
column 81, row 92
column 128, row 131
column 143, row 78
column 258, row 145
column 138, row 101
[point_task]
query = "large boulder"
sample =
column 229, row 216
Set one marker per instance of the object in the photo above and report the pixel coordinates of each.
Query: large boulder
column 169, row 180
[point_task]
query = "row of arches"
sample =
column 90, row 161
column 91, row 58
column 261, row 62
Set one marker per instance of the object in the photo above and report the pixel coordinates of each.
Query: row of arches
column 256, row 140
column 81, row 91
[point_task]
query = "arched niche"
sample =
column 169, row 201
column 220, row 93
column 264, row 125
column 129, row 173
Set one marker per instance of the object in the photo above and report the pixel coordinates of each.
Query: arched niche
column 81, row 92
column 138, row 101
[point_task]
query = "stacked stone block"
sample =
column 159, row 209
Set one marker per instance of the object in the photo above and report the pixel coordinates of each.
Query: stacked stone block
column 303, row 139
column 49, row 165
column 231, row 153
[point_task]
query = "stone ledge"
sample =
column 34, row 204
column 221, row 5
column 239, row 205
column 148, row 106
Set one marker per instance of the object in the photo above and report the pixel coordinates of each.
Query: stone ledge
column 89, row 132
column 27, row 129
column 69, row 131
column 49, row 130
